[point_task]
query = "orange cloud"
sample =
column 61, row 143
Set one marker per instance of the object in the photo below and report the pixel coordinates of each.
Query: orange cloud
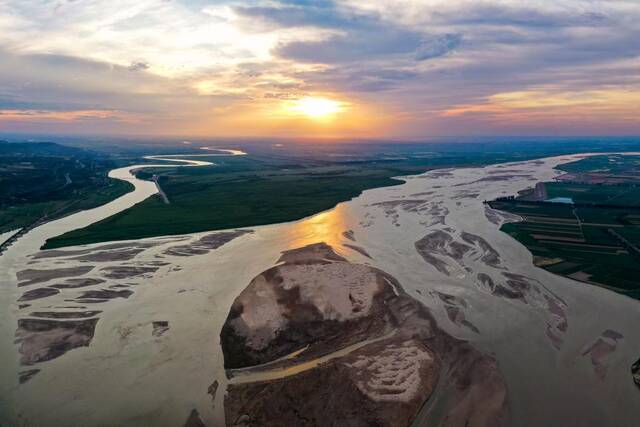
column 62, row 116
column 323, row 115
column 536, row 103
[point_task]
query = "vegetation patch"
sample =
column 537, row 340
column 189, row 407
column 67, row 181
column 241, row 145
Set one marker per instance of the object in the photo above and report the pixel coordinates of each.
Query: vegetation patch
column 595, row 239
column 44, row 181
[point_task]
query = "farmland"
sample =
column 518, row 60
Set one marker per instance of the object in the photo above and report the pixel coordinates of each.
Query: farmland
column 43, row 181
column 283, row 182
column 273, row 184
column 595, row 238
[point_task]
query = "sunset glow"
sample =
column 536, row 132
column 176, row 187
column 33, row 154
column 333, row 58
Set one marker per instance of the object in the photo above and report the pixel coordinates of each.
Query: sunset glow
column 316, row 108
column 279, row 68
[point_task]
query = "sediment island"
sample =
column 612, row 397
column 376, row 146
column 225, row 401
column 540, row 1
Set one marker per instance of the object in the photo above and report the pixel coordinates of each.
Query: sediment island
column 343, row 338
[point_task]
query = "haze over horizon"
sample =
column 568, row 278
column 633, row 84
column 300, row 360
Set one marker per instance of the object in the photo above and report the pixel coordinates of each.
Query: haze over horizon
column 400, row 69
column 267, row 213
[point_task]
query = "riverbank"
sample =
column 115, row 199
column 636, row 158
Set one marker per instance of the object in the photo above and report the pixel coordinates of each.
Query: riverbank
column 17, row 254
column 268, row 187
column 479, row 284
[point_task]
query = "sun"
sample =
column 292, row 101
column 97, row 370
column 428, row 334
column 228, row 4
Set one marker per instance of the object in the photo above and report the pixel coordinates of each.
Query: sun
column 316, row 108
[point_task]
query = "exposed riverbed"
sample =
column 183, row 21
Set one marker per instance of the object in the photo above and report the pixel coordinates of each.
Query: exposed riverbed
column 565, row 348
column 31, row 242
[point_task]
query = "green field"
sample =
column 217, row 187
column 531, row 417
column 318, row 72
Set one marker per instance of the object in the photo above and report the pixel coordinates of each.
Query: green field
column 611, row 165
column 44, row 181
column 274, row 184
column 619, row 194
column 210, row 198
column 265, row 187
column 17, row 216
column 582, row 240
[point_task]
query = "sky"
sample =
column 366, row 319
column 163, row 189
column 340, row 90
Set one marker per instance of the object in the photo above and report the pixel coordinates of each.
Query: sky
column 405, row 69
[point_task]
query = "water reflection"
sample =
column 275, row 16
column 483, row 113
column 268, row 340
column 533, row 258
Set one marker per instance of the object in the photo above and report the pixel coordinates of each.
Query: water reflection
column 256, row 373
column 324, row 227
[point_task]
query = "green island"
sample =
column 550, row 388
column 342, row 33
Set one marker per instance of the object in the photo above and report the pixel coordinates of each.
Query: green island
column 265, row 187
column 243, row 192
column 43, row 181
column 586, row 224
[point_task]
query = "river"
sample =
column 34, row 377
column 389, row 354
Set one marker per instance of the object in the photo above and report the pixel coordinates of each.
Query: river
column 128, row 376
column 34, row 239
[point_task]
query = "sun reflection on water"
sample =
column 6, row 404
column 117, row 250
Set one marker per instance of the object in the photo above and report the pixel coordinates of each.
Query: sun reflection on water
column 324, row 227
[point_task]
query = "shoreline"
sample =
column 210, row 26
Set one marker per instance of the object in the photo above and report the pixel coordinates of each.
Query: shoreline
column 256, row 223
column 31, row 243
column 195, row 300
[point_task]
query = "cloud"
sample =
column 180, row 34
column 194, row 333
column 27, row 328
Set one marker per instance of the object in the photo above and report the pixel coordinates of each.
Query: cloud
column 413, row 60
column 360, row 35
column 438, row 46
column 138, row 66
column 357, row 46
column 69, row 82
column 60, row 83
column 296, row 16
column 357, row 35
column 518, row 15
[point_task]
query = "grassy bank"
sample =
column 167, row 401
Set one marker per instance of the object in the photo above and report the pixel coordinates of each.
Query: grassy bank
column 274, row 185
column 594, row 239
column 44, row 181
column 202, row 200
